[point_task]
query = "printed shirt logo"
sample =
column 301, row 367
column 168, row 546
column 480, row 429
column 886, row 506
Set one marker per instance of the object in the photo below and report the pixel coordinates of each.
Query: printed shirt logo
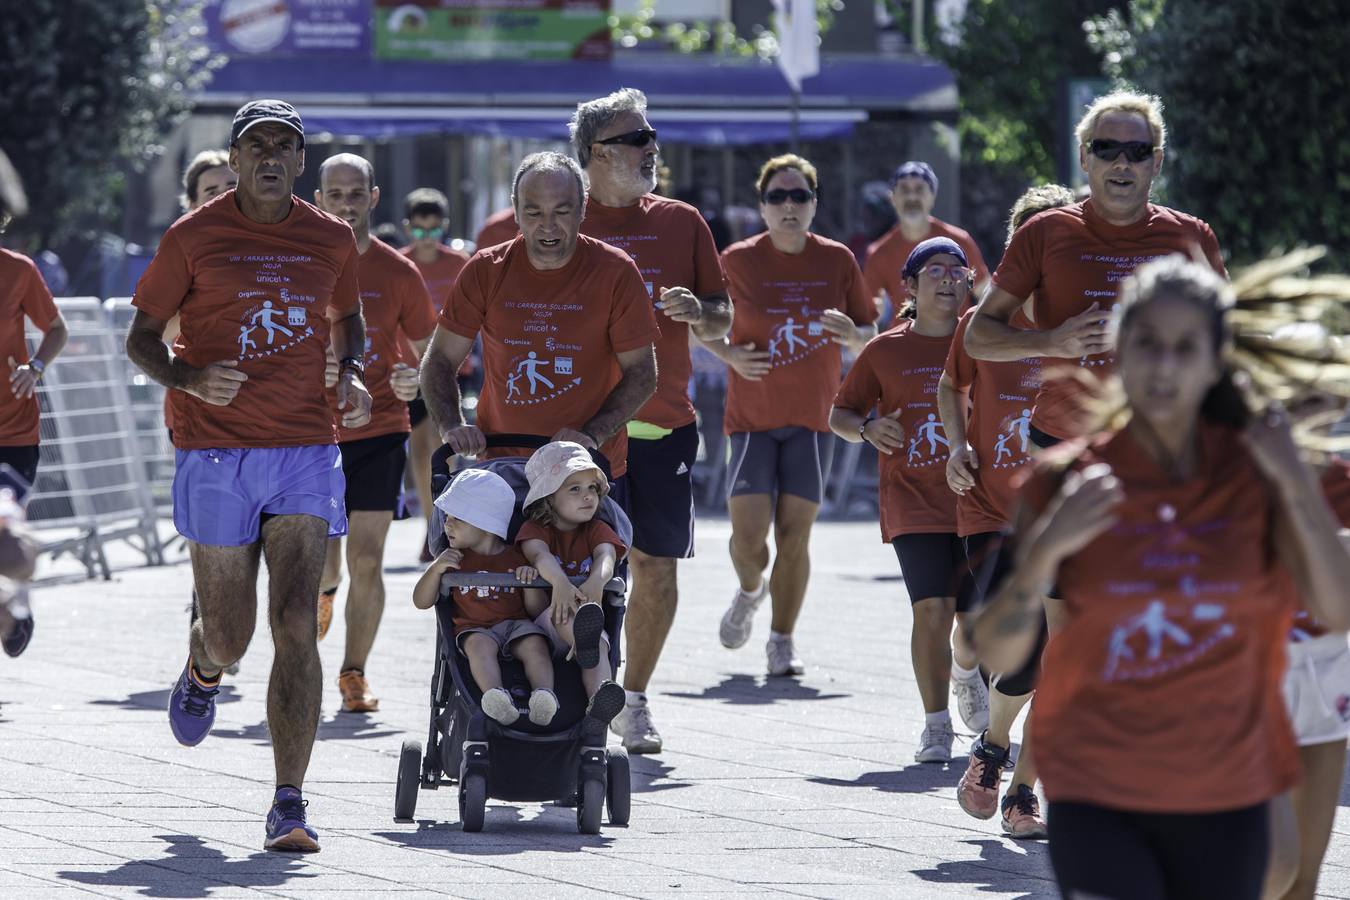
column 1164, row 638
column 1013, row 444
column 533, row 376
column 925, row 443
column 786, row 344
column 486, row 593
column 526, row 384
column 272, row 327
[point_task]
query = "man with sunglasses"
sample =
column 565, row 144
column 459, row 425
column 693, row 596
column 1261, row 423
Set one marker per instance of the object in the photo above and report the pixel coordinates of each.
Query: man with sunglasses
column 914, row 187
column 1074, row 258
column 674, row 250
column 426, row 216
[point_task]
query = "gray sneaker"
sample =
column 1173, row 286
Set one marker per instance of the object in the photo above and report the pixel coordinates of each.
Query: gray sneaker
column 972, row 702
column 738, row 620
column 634, row 727
column 783, row 657
column 935, row 744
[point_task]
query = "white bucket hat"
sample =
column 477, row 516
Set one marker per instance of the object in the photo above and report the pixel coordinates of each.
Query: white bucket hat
column 554, row 463
column 481, row 498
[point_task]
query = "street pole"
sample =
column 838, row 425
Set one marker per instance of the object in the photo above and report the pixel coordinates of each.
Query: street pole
column 796, row 119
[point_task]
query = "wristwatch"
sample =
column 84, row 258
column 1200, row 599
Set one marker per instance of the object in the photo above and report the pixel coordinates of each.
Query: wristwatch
column 351, row 362
column 862, row 429
column 37, row 366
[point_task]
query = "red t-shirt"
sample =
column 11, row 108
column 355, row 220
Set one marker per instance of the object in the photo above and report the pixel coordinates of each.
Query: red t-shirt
column 887, row 255
column 672, row 247
column 1071, row 258
column 778, row 299
column 900, row 369
column 551, row 339
column 439, row 274
column 1173, row 639
column 397, row 309
column 997, row 427
column 499, row 228
column 483, row 607
column 22, row 293
column 573, row 549
column 1336, row 489
column 260, row 294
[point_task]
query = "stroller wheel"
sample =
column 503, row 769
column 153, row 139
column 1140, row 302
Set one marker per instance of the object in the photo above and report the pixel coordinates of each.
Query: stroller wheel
column 618, row 789
column 591, row 806
column 473, row 802
column 409, row 780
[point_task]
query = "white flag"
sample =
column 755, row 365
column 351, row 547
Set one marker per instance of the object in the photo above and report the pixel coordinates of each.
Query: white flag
column 798, row 40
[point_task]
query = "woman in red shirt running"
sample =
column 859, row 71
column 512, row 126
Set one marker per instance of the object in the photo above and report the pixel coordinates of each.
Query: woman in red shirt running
column 1167, row 541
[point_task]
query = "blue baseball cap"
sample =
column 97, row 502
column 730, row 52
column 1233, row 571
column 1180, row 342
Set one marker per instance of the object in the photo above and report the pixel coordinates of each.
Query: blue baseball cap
column 915, row 169
column 927, row 250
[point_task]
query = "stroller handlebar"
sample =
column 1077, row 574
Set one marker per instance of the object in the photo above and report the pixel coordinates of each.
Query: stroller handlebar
column 614, row 589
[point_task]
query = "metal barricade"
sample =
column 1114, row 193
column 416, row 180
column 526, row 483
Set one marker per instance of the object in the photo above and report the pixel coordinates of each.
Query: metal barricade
column 147, row 413
column 92, row 486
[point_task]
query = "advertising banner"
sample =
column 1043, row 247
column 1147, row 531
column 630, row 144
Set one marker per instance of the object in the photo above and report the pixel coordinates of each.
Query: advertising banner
column 457, row 30
column 289, row 28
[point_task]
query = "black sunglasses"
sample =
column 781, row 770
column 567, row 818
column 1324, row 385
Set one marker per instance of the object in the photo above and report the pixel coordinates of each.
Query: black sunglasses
column 1135, row 151
column 640, row 138
column 797, row 195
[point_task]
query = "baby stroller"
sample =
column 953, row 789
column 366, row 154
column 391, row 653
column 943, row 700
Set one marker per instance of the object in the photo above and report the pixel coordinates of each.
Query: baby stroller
column 523, row 761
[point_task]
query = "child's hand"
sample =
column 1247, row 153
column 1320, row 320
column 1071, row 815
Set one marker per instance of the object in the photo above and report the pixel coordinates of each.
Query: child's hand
column 527, row 574
column 566, row 599
column 449, row 558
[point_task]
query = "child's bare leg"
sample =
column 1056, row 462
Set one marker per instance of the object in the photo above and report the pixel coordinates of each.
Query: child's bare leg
column 481, row 651
column 532, row 651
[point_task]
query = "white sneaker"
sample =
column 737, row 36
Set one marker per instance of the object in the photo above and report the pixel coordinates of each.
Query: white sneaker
column 935, row 744
column 497, row 703
column 737, row 621
column 634, row 727
column 543, row 706
column 783, row 657
column 972, row 702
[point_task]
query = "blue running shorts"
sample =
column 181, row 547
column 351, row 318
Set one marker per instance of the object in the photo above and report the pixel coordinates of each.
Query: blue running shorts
column 222, row 497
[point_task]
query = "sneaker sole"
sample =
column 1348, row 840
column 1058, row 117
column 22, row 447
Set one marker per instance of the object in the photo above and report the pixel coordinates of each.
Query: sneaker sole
column 361, row 707
column 933, row 757
column 587, row 627
column 296, row 841
column 497, row 708
column 537, row 715
column 977, row 813
column 643, row 747
column 606, row 704
column 1039, row 834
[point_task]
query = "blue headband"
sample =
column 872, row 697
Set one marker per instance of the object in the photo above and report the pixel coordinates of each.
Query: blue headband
column 927, row 250
column 915, row 169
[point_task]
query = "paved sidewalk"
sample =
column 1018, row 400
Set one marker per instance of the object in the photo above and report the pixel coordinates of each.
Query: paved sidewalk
column 797, row 788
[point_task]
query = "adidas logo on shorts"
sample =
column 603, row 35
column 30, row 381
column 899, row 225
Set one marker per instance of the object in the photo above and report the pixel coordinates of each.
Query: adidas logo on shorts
column 683, row 469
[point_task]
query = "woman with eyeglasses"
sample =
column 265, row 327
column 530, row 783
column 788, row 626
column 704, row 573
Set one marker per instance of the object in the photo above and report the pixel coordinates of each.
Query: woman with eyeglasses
column 890, row 400
column 1175, row 541
column 798, row 299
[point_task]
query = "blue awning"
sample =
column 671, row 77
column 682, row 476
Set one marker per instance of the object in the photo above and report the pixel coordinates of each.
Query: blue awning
column 697, row 99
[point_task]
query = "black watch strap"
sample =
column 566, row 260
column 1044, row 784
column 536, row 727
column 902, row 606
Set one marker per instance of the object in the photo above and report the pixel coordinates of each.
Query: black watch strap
column 351, row 362
column 862, row 429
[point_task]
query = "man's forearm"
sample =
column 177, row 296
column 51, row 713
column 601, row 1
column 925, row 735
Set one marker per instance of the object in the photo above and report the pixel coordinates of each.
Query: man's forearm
column 440, row 391
column 716, row 318
column 634, row 389
column 349, row 337
column 994, row 340
column 148, row 351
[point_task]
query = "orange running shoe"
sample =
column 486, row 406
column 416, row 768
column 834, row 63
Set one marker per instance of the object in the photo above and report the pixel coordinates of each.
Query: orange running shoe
column 1022, row 815
column 326, row 599
column 356, row 696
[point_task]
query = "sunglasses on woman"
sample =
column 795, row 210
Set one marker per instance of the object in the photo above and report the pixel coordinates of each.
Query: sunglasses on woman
column 778, row 196
column 937, row 271
column 1135, row 151
column 422, row 234
column 640, row 138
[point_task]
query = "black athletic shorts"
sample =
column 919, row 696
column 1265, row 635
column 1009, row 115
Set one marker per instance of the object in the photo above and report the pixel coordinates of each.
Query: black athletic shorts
column 790, row 460
column 989, row 556
column 934, row 565
column 1041, row 439
column 23, row 460
column 1101, row 852
column 374, row 470
column 417, row 410
column 661, row 492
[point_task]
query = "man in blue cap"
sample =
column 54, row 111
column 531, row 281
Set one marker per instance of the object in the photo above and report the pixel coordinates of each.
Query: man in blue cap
column 914, row 188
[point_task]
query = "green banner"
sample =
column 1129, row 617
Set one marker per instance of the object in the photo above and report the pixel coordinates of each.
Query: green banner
column 459, row 30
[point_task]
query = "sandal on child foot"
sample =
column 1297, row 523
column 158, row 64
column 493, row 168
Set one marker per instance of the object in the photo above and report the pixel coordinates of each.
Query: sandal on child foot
column 587, row 627
column 543, row 706
column 497, row 703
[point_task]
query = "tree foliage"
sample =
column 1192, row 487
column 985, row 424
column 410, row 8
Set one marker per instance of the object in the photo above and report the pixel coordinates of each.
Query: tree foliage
column 1012, row 59
column 1258, row 107
column 720, row 38
column 90, row 88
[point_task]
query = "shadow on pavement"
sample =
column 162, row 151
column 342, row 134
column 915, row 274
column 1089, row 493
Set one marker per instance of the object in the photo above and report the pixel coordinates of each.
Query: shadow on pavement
column 647, row 775
column 159, row 700
column 757, row 690
column 916, row 779
column 999, row 866
column 505, row 832
column 341, row 727
column 193, row 869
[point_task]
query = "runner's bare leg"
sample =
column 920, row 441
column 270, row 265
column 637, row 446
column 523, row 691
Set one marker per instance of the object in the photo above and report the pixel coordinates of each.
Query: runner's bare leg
column 226, row 579
column 792, row 559
column 366, row 533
